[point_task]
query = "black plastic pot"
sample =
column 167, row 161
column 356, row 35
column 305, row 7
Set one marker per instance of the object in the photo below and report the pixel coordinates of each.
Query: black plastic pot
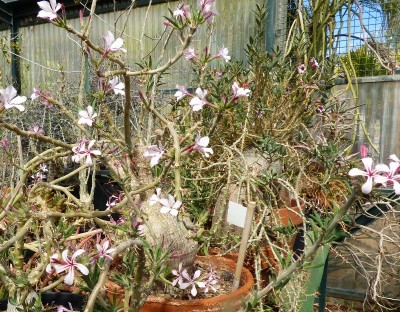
column 105, row 187
column 56, row 298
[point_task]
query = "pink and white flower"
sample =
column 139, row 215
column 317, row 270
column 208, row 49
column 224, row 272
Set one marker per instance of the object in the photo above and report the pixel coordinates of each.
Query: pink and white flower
column 36, row 93
column 155, row 198
column 117, row 86
column 87, row 116
column 181, row 93
column 239, row 91
column 81, row 151
column 170, row 205
column 104, row 250
column 224, row 54
column 189, row 53
column 111, row 44
column 37, row 129
column 313, row 63
column 49, row 9
column 178, row 274
column 67, row 264
column 301, row 69
column 391, row 177
column 201, row 144
column 182, row 11
column 192, row 281
column 373, row 175
column 199, row 101
column 10, row 99
column 207, row 9
column 155, row 152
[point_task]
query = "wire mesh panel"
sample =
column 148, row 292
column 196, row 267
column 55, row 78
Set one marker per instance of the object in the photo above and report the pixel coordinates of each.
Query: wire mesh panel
column 368, row 36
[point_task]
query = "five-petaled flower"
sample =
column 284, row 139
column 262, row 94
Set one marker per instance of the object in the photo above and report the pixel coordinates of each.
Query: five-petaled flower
column 189, row 53
column 111, row 44
column 373, row 175
column 207, row 9
column 155, row 152
column 104, row 250
column 36, row 93
column 81, row 151
column 211, row 280
column 178, row 274
column 239, row 91
column 170, row 205
column 192, row 281
column 224, row 54
column 182, row 11
column 301, row 69
column 68, row 263
column 181, row 93
column 49, row 9
column 10, row 98
column 155, row 198
column 87, row 116
column 201, row 144
column 117, row 86
column 37, row 129
column 199, row 101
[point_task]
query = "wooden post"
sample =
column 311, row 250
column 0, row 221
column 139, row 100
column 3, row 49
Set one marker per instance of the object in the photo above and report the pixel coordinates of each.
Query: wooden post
column 243, row 244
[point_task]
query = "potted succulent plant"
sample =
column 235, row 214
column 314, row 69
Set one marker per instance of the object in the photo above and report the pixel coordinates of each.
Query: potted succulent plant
column 74, row 241
column 165, row 165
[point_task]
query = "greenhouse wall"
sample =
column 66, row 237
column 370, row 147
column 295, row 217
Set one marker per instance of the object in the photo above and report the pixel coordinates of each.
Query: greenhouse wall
column 50, row 55
column 378, row 105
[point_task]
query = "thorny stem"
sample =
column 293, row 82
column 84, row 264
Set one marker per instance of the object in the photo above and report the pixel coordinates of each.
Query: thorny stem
column 17, row 237
column 286, row 273
column 127, row 110
column 103, row 275
column 140, row 265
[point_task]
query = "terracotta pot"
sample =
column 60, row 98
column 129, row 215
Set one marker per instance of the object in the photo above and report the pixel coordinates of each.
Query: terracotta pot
column 286, row 216
column 228, row 302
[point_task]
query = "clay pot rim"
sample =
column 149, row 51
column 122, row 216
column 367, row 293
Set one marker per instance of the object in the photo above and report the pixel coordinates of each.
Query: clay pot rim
column 244, row 289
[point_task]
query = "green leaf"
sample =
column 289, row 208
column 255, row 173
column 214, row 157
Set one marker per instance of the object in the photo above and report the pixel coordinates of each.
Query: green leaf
column 314, row 278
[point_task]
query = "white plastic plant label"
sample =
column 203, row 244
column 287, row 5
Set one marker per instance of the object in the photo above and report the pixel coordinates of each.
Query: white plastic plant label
column 236, row 214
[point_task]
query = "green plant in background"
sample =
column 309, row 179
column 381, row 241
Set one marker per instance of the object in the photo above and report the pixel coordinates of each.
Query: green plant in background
column 364, row 62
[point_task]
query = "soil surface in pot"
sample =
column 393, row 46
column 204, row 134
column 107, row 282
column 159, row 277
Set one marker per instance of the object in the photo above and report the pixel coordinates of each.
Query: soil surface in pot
column 223, row 272
column 223, row 286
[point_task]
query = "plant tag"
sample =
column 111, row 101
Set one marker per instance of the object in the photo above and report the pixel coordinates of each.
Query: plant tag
column 236, row 214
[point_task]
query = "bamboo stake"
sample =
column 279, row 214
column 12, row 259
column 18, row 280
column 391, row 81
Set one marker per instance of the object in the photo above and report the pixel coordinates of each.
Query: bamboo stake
column 243, row 244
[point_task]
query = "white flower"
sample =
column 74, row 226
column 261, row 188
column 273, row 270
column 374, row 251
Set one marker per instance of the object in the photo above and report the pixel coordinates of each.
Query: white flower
column 155, row 152
column 181, row 93
column 189, row 53
column 10, row 98
column 201, row 146
column 224, row 54
column 301, row 69
column 117, row 86
column 69, row 264
column 87, row 116
column 239, row 91
column 199, row 101
column 111, row 44
column 192, row 281
column 80, row 151
column 155, row 198
column 49, row 9
column 104, row 250
column 170, row 205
